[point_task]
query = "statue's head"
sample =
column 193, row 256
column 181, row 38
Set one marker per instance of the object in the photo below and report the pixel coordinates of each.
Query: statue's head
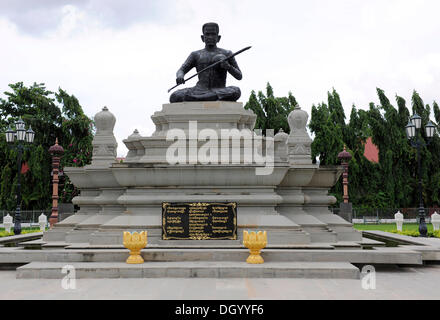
column 210, row 33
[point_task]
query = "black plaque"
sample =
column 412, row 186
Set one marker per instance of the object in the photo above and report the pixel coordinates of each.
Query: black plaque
column 199, row 221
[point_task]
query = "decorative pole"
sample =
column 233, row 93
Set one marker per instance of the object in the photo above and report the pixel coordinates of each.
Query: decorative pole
column 414, row 135
column 345, row 157
column 346, row 208
column 16, row 140
column 57, row 152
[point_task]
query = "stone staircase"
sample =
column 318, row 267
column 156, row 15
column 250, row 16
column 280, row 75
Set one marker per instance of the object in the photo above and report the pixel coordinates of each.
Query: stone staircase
column 204, row 262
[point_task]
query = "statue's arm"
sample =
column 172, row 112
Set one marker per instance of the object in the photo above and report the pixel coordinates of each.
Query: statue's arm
column 234, row 70
column 187, row 65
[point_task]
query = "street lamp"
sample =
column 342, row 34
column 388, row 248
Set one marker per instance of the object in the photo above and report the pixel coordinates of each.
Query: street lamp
column 20, row 135
column 412, row 129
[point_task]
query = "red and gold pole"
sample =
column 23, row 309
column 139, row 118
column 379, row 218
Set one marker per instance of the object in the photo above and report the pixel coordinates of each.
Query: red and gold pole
column 345, row 157
column 57, row 152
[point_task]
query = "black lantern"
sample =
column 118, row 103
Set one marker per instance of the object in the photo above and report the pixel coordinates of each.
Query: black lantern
column 430, row 129
column 30, row 135
column 417, row 121
column 20, row 124
column 10, row 135
column 410, row 130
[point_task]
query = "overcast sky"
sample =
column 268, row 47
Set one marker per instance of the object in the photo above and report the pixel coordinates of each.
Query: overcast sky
column 124, row 54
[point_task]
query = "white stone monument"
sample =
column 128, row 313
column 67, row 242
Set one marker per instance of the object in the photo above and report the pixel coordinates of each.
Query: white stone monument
column 42, row 221
column 398, row 217
column 435, row 220
column 7, row 222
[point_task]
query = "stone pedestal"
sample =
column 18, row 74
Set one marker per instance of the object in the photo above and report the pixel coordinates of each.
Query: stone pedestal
column 290, row 202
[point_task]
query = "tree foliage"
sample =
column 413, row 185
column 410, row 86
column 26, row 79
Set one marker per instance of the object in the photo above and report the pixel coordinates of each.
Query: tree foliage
column 271, row 111
column 52, row 115
column 390, row 183
column 393, row 181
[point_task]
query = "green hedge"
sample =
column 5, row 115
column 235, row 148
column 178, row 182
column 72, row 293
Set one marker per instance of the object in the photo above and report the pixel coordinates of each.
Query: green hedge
column 3, row 232
column 434, row 234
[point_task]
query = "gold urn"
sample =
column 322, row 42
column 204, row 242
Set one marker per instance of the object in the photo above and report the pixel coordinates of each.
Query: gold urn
column 255, row 242
column 135, row 242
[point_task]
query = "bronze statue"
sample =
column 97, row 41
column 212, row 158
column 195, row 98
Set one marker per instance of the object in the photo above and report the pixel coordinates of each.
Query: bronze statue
column 212, row 82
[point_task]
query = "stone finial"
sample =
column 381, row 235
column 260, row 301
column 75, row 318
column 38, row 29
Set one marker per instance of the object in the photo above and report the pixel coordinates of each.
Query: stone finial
column 135, row 134
column 298, row 121
column 105, row 122
column 280, row 151
column 299, row 142
column 281, row 135
column 104, row 143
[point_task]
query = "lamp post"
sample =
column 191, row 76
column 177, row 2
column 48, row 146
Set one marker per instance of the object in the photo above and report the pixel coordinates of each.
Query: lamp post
column 20, row 135
column 412, row 132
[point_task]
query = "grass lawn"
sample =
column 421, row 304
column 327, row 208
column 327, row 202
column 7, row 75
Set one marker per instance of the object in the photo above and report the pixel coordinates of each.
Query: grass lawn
column 391, row 227
column 3, row 233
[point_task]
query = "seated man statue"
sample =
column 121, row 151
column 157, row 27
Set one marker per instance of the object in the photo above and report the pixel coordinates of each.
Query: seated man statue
column 212, row 82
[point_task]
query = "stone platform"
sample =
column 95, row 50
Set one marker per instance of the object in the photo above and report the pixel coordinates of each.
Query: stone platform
column 290, row 201
column 203, row 262
column 193, row 269
column 355, row 256
column 341, row 260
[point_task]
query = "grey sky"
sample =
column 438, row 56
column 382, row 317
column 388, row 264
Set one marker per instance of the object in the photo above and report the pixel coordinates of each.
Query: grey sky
column 124, row 54
column 37, row 17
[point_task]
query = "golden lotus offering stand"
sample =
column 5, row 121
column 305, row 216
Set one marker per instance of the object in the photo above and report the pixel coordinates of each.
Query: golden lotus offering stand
column 255, row 242
column 135, row 242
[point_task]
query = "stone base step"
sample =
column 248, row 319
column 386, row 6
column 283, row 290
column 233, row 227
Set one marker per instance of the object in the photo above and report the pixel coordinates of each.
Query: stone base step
column 193, row 269
column 206, row 246
column 365, row 243
column 356, row 256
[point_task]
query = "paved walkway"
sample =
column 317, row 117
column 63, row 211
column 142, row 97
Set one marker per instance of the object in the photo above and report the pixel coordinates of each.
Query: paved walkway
column 391, row 283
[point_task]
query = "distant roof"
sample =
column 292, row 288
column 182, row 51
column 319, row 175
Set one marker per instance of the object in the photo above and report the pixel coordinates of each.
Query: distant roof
column 371, row 151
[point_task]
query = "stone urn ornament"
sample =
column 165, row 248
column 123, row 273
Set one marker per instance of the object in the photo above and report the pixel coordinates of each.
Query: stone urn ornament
column 299, row 142
column 255, row 242
column 135, row 242
column 104, row 143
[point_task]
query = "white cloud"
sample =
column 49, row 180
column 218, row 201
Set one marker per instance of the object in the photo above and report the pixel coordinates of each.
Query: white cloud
column 126, row 57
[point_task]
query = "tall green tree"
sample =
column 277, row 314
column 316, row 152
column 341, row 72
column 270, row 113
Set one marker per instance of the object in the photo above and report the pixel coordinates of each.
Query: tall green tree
column 328, row 141
column 393, row 181
column 271, row 111
column 52, row 115
column 327, row 123
column 390, row 183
